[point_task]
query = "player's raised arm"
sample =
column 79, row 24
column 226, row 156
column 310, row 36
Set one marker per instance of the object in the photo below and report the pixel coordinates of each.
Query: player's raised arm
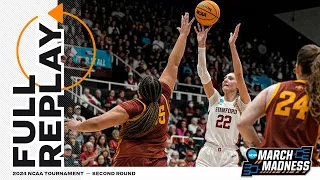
column 238, row 72
column 202, row 64
column 170, row 73
column 115, row 116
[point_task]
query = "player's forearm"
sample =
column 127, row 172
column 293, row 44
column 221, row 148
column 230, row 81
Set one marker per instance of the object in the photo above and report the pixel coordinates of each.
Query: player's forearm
column 90, row 125
column 238, row 72
column 248, row 134
column 178, row 50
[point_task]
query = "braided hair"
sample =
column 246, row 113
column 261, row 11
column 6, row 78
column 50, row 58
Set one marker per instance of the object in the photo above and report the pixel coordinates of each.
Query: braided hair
column 150, row 91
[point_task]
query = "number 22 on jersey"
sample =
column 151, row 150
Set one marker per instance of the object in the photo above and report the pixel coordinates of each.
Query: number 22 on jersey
column 223, row 121
column 301, row 105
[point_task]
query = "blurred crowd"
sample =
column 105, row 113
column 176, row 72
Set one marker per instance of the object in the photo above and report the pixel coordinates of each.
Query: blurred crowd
column 143, row 34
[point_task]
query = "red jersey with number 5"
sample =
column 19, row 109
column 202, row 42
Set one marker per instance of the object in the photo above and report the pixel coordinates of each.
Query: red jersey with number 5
column 289, row 122
column 152, row 144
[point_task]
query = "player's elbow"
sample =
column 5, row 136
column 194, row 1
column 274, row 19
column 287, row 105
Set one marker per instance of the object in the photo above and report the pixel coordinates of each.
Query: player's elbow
column 241, row 124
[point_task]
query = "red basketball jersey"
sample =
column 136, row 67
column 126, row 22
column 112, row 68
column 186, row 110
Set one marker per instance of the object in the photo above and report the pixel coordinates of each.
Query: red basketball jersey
column 289, row 122
column 152, row 144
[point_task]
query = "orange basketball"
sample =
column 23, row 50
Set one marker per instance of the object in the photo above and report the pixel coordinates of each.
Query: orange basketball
column 207, row 13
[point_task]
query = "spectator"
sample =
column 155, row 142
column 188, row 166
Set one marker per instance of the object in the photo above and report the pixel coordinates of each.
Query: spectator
column 77, row 115
column 184, row 148
column 75, row 145
column 146, row 40
column 113, row 144
column 172, row 163
column 70, row 62
column 101, row 161
column 88, row 157
column 97, row 135
column 182, row 163
column 202, row 124
column 69, row 113
column 102, row 144
column 177, row 115
column 141, row 68
column 168, row 149
column 174, row 155
column 172, row 120
column 199, row 134
column 182, row 129
column 93, row 140
column 157, row 44
column 87, row 20
column 99, row 97
column 133, row 88
column 257, row 127
column 172, row 131
column 189, row 111
column 68, row 159
column 189, row 159
column 107, row 158
column 79, row 137
column 111, row 100
column 87, row 97
column 83, row 64
column 122, row 96
column 193, row 126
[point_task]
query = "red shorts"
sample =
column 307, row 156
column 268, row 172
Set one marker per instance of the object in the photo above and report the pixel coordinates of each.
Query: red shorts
column 140, row 162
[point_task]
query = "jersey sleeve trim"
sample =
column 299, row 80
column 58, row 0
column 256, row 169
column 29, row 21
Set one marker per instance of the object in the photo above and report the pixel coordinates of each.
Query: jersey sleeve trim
column 301, row 81
column 139, row 115
column 165, row 99
column 273, row 95
column 117, row 153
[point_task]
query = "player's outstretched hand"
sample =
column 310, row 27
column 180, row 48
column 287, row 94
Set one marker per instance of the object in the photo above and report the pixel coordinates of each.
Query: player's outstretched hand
column 71, row 124
column 234, row 36
column 185, row 25
column 202, row 35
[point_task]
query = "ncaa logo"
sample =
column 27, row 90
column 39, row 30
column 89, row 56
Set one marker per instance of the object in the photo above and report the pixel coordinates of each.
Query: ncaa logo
column 252, row 154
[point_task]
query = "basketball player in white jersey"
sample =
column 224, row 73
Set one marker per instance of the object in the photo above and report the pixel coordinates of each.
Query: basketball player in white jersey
column 222, row 135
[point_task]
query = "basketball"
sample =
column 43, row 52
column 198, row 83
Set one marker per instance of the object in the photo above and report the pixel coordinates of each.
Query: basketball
column 207, row 13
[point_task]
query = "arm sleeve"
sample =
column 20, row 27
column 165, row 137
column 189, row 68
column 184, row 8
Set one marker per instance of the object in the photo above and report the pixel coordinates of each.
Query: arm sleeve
column 133, row 107
column 214, row 98
column 202, row 66
column 166, row 90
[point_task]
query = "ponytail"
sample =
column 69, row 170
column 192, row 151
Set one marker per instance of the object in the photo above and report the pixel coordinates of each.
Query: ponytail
column 313, row 89
column 144, row 124
column 309, row 60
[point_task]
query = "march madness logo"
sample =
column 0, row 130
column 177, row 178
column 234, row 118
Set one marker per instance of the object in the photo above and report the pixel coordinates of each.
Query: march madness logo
column 293, row 161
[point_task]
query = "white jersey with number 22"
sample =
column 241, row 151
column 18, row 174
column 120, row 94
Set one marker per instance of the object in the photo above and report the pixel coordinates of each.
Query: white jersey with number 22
column 222, row 121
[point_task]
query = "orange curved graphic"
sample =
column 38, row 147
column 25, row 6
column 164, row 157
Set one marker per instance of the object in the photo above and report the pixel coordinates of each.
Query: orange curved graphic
column 57, row 13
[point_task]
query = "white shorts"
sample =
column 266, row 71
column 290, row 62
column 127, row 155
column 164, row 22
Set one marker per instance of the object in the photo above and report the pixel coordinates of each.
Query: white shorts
column 214, row 156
